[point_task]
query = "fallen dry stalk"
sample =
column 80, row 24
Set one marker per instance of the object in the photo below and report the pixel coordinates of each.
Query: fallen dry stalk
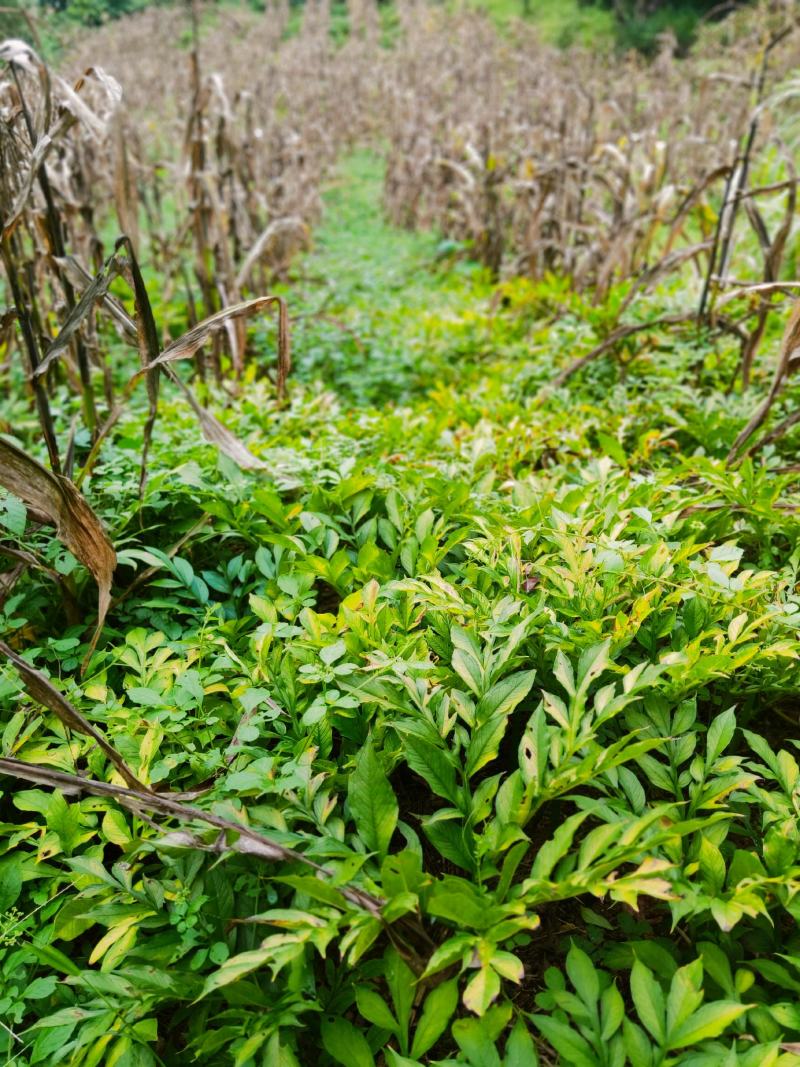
column 788, row 360
column 246, row 840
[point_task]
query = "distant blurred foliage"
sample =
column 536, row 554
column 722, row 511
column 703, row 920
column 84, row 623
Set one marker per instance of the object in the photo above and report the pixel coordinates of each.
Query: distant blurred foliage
column 11, row 24
column 640, row 23
column 94, row 12
column 84, row 12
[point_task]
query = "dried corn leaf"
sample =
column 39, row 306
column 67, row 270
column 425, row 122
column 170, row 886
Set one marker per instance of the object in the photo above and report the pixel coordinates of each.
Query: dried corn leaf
column 95, row 291
column 56, row 500
column 188, row 345
column 214, row 431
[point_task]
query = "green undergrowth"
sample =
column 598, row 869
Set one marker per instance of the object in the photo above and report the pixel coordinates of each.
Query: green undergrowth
column 385, row 312
column 520, row 663
column 564, row 23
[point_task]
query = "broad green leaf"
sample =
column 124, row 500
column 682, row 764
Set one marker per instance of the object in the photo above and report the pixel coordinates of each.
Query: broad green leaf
column 394, row 1059
column 656, row 773
column 557, row 847
column 74, row 918
column 484, row 744
column 534, row 750
column 469, row 670
column 591, row 664
column 785, row 1014
column 507, row 965
column 345, row 1044
column 122, row 1052
column 53, row 957
column 447, row 953
column 712, row 866
column 583, row 976
column 520, row 1050
column 316, row 888
column 450, row 839
column 437, row 1011
column 505, row 695
column 235, row 968
column 402, row 873
column 251, row 698
column 568, row 1043
column 146, row 697
column 648, row 997
column 482, row 990
column 717, row 965
column 459, row 901
column 476, row 1043
column 638, row 1045
column 685, row 995
column 562, row 669
column 611, row 446
column 276, row 1054
column 727, row 913
column 13, row 515
column 331, row 653
column 463, row 638
column 115, row 828
column 402, row 987
column 612, row 1011
column 772, row 971
column 709, row 1021
column 375, row 1010
column 720, row 734
column 511, row 863
column 372, row 801
column 67, row 1016
column 10, row 882
column 694, row 616
column 40, row 988
column 433, row 765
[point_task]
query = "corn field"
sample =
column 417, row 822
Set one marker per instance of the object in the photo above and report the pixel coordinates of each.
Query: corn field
column 377, row 383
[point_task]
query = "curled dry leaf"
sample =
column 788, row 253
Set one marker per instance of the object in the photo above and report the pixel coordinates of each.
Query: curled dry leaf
column 276, row 227
column 112, row 91
column 55, row 500
column 215, row 432
column 20, row 53
column 95, row 292
column 188, row 345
